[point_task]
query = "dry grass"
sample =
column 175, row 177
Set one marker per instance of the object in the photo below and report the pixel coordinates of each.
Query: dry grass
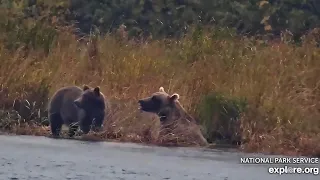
column 280, row 82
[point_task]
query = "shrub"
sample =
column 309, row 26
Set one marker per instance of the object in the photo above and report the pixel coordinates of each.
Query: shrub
column 220, row 117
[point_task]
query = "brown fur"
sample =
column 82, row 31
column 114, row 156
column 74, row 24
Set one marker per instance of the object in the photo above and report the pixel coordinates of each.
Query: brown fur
column 75, row 107
column 173, row 116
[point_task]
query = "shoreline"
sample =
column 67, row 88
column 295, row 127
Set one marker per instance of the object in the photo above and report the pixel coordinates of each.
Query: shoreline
column 94, row 137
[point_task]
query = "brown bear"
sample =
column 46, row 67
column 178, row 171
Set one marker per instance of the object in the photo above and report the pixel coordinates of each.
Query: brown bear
column 76, row 107
column 170, row 112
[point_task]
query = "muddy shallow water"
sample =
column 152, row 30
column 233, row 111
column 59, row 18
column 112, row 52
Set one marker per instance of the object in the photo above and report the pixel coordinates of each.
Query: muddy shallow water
column 27, row 157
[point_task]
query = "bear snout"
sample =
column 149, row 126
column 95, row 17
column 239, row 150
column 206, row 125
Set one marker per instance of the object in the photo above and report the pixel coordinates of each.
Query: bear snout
column 146, row 105
column 142, row 104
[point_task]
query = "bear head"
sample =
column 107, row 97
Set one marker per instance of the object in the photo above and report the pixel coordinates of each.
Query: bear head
column 160, row 103
column 92, row 101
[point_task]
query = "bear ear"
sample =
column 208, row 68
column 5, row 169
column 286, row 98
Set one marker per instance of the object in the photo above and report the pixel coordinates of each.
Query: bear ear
column 97, row 90
column 161, row 89
column 174, row 97
column 85, row 87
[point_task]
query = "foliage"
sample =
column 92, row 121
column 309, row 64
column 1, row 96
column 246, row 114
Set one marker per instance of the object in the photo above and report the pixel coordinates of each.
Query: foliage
column 220, row 117
column 29, row 24
column 173, row 18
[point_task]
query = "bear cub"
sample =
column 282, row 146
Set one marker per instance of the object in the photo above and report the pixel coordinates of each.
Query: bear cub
column 76, row 107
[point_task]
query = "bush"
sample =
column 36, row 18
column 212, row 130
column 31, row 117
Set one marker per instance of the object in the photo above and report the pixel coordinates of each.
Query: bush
column 220, row 117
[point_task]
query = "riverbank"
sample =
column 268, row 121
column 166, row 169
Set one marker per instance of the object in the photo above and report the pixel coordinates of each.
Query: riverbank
column 103, row 137
column 267, row 93
column 23, row 156
column 35, row 130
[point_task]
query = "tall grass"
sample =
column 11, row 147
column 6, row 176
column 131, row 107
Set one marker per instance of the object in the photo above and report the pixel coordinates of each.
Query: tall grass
column 279, row 82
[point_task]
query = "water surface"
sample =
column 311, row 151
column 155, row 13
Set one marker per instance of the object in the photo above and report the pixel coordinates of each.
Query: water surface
column 28, row 157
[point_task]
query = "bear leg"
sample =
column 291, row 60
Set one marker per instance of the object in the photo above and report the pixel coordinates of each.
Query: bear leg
column 85, row 129
column 56, row 123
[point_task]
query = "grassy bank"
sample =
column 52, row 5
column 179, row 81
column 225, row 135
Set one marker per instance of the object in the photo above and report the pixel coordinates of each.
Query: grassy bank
column 279, row 84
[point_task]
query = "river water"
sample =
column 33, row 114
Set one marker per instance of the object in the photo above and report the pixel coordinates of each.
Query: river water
column 42, row 158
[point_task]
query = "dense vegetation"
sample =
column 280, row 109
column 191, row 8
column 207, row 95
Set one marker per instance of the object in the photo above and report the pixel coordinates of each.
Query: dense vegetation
column 174, row 17
column 266, row 92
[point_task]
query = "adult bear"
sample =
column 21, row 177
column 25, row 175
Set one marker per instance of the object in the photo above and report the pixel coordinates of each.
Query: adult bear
column 76, row 107
column 170, row 111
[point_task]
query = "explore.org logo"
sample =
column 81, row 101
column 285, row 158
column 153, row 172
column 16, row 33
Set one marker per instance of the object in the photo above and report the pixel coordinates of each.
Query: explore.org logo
column 293, row 170
column 286, row 161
